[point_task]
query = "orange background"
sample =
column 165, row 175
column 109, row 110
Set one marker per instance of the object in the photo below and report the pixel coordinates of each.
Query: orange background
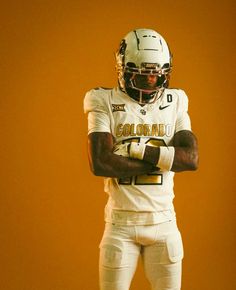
column 51, row 209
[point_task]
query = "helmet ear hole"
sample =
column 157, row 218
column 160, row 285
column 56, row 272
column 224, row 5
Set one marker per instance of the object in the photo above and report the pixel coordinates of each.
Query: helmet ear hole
column 166, row 66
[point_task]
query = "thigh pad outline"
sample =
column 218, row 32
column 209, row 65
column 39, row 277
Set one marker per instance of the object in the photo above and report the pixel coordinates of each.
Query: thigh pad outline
column 175, row 247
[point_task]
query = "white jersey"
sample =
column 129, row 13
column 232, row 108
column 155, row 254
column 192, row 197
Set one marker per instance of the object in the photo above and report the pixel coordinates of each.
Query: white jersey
column 113, row 111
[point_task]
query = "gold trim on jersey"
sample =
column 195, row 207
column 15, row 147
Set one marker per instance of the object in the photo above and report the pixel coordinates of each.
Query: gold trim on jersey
column 127, row 129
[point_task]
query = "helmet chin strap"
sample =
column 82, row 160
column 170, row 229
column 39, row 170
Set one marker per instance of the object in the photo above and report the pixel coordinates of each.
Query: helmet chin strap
column 149, row 98
column 157, row 95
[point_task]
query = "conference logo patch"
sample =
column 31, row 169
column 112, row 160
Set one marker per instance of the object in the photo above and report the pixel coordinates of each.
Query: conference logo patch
column 118, row 107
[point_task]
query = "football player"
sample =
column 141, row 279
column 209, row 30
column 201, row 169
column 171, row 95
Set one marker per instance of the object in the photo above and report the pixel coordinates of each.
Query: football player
column 139, row 135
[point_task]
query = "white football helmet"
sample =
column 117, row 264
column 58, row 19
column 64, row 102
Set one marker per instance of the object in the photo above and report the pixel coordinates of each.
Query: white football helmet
column 143, row 63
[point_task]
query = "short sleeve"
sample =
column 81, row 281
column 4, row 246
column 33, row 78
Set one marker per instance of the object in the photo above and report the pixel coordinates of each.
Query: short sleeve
column 183, row 120
column 96, row 108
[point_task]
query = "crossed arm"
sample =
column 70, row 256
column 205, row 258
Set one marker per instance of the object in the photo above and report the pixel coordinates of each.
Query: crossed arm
column 104, row 162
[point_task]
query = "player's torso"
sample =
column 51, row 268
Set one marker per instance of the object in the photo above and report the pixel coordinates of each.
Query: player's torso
column 153, row 123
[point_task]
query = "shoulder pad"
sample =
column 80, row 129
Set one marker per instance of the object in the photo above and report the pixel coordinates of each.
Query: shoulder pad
column 95, row 100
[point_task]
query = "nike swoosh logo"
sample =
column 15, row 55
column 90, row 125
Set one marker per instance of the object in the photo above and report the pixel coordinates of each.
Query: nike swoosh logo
column 162, row 108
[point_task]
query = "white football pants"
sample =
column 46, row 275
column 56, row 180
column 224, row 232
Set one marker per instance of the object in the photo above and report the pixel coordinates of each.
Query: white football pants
column 160, row 247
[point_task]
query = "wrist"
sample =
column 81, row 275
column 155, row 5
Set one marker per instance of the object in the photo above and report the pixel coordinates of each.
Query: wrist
column 166, row 158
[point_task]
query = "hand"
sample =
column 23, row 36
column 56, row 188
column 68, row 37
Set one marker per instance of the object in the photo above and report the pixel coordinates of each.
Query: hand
column 122, row 150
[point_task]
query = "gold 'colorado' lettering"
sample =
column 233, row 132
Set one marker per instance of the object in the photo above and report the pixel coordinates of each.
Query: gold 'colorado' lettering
column 159, row 130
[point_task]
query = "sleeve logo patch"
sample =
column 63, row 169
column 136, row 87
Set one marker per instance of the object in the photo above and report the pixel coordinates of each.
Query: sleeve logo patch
column 118, row 107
